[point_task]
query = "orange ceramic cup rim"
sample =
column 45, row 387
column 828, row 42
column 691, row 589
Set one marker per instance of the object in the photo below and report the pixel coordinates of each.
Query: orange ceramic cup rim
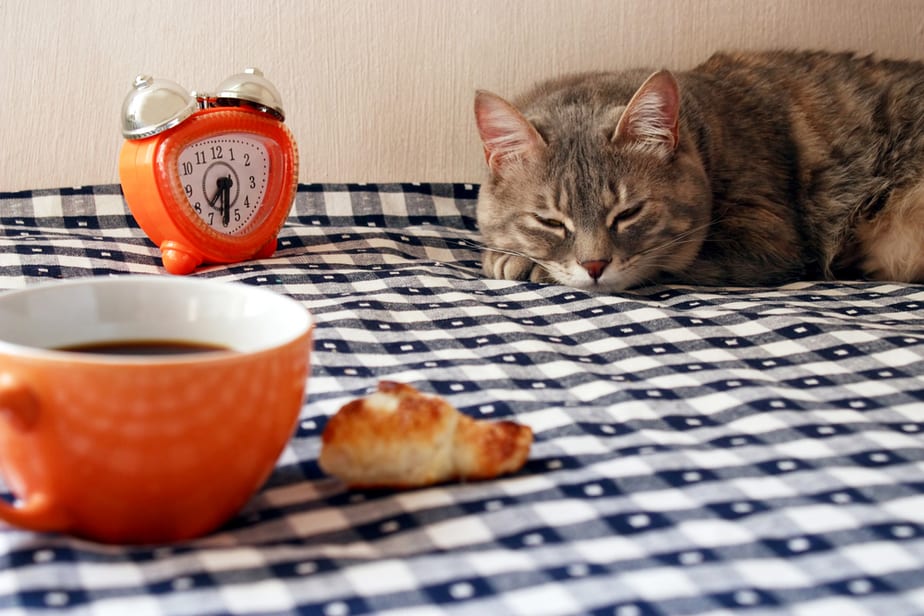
column 14, row 341
column 149, row 448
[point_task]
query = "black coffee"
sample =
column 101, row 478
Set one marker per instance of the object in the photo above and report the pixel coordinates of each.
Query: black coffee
column 144, row 347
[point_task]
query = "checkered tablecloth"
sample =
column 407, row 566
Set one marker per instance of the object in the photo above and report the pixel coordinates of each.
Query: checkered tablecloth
column 698, row 451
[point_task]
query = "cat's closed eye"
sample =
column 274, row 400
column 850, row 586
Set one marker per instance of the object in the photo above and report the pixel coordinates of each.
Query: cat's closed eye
column 628, row 215
column 551, row 223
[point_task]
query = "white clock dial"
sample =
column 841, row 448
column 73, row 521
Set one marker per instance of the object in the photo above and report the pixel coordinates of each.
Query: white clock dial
column 224, row 178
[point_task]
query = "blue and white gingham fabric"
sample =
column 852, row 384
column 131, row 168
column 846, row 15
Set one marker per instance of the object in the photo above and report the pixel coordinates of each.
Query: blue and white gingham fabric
column 698, row 451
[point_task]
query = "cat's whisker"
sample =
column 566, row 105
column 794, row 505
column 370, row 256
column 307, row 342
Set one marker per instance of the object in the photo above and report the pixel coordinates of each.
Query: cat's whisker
column 472, row 244
column 688, row 236
column 515, row 253
column 485, row 247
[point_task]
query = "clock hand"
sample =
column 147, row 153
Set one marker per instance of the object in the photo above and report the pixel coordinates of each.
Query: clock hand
column 223, row 189
column 214, row 198
column 224, row 184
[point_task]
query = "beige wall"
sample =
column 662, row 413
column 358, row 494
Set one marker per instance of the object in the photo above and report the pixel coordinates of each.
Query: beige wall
column 375, row 90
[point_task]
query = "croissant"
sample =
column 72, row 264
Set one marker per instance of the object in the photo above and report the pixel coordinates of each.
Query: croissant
column 400, row 438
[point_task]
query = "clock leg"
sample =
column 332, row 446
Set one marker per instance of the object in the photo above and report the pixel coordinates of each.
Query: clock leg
column 179, row 259
column 267, row 249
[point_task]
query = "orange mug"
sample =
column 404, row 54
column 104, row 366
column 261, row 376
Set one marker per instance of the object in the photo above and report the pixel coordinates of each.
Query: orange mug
column 145, row 409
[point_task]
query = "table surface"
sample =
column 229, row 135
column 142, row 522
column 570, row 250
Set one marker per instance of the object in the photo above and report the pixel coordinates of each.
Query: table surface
column 697, row 450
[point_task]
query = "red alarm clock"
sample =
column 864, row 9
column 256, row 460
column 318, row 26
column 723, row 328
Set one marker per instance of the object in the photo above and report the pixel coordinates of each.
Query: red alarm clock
column 209, row 178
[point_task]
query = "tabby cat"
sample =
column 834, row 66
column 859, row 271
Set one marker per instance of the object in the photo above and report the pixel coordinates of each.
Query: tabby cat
column 752, row 169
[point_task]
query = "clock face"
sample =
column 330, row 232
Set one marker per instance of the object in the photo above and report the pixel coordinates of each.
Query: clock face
column 224, row 178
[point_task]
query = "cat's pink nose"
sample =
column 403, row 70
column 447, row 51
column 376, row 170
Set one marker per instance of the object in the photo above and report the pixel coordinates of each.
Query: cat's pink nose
column 595, row 268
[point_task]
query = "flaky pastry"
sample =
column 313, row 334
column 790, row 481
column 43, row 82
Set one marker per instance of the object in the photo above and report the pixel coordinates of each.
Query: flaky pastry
column 399, row 437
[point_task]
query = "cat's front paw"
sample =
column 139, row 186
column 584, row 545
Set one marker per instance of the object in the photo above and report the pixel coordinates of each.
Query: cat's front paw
column 511, row 267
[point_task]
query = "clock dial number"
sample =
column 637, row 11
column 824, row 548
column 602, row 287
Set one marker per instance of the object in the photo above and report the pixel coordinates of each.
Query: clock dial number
column 224, row 179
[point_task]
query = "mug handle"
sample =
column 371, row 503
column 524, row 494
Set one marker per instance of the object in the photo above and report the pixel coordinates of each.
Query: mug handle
column 20, row 407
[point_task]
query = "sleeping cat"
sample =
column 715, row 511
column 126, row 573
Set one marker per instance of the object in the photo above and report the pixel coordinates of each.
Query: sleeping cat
column 751, row 169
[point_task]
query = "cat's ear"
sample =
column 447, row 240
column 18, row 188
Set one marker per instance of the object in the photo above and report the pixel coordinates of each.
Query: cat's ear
column 507, row 136
column 652, row 117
